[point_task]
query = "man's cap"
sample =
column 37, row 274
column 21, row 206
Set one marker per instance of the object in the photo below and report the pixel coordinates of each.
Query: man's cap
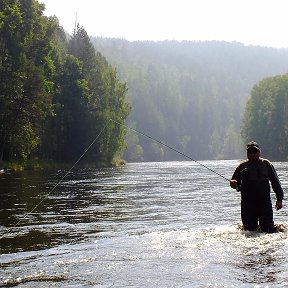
column 252, row 145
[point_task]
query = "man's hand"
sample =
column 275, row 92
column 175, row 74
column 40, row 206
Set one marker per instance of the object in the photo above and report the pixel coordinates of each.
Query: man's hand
column 233, row 184
column 278, row 205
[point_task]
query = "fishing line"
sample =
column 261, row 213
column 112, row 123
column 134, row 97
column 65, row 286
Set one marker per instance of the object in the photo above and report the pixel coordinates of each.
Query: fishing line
column 89, row 147
column 57, row 184
column 171, row 148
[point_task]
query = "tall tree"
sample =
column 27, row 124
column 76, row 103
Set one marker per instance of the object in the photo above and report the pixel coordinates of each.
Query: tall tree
column 70, row 119
column 101, row 102
column 266, row 116
column 25, row 64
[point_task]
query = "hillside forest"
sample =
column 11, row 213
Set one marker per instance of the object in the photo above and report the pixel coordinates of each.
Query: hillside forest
column 61, row 94
column 193, row 96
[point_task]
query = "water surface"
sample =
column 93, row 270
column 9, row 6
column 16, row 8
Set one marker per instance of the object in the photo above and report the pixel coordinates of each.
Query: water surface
column 168, row 224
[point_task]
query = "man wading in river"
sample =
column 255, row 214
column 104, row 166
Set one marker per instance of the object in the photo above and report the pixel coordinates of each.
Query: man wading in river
column 252, row 178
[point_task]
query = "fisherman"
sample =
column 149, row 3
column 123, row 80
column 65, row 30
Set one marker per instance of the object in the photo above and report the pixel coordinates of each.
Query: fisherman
column 252, row 178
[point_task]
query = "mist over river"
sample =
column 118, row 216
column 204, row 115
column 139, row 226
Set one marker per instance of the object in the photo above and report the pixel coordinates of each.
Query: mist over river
column 166, row 224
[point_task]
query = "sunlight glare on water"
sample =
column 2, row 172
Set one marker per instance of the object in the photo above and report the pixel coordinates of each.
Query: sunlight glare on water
column 171, row 224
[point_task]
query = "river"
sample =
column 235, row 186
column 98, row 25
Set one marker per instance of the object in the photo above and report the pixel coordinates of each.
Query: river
column 166, row 224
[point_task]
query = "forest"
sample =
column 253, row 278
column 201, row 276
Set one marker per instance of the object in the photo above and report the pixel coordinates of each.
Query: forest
column 192, row 96
column 57, row 94
column 61, row 93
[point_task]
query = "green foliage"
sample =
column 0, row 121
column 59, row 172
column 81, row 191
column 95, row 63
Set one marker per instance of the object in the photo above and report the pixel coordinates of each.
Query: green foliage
column 56, row 95
column 24, row 97
column 266, row 117
column 20, row 149
column 102, row 100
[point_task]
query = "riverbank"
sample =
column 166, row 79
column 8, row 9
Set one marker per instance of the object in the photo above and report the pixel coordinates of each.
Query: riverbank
column 36, row 164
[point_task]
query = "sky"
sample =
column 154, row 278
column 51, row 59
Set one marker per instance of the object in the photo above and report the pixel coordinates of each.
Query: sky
column 251, row 22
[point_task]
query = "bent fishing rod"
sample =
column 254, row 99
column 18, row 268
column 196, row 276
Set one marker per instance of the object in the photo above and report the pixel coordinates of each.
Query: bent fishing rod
column 88, row 148
column 171, row 148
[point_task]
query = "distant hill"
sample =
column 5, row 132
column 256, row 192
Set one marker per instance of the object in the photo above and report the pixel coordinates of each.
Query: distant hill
column 189, row 95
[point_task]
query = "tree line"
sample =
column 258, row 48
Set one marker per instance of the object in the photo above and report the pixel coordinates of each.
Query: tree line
column 192, row 96
column 57, row 94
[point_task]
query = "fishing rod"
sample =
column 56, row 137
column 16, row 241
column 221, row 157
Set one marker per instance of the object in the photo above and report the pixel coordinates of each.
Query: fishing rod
column 88, row 148
column 171, row 148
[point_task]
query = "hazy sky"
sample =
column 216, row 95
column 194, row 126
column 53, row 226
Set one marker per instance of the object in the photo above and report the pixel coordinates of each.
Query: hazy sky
column 256, row 22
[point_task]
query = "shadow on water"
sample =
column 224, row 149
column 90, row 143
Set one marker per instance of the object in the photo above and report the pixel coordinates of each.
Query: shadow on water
column 34, row 239
column 35, row 215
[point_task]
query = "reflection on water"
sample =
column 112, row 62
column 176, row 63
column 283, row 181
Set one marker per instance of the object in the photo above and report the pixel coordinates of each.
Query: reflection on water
column 171, row 224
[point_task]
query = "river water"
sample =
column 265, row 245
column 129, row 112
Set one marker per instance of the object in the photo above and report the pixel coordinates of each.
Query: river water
column 168, row 224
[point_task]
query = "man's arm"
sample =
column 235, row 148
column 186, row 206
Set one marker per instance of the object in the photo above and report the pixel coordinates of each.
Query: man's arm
column 235, row 180
column 276, row 186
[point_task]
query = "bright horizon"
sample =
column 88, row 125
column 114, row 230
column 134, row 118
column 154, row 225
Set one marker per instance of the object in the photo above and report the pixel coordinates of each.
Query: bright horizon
column 251, row 22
